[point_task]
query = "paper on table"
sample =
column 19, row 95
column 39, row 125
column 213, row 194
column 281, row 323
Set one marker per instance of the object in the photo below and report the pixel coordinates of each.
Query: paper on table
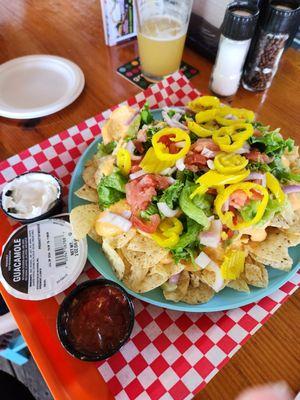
column 171, row 355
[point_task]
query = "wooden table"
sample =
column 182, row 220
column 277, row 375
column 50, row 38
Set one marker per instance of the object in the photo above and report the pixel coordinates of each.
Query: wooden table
column 72, row 29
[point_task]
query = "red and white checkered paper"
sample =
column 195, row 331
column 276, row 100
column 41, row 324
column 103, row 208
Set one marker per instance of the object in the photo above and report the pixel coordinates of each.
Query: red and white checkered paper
column 171, row 355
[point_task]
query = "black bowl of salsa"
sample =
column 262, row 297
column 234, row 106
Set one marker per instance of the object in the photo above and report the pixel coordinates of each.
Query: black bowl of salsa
column 95, row 320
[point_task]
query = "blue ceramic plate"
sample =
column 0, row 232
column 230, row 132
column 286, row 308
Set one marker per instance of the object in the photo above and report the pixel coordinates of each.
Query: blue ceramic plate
column 225, row 300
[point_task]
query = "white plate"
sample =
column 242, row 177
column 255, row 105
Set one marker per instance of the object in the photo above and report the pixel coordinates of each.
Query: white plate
column 38, row 85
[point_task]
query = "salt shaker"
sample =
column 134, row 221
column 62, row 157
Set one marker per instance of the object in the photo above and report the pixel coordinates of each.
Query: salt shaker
column 267, row 48
column 237, row 31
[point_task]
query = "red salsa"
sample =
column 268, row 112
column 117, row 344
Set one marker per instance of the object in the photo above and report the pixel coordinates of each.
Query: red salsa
column 98, row 320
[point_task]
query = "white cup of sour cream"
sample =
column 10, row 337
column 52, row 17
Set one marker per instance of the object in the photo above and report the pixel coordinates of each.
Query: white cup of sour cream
column 32, row 196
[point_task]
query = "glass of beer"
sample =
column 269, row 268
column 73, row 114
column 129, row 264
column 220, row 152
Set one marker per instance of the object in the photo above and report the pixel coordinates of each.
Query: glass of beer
column 162, row 27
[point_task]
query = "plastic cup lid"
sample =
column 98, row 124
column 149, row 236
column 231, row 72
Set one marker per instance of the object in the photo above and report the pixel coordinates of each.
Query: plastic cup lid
column 42, row 259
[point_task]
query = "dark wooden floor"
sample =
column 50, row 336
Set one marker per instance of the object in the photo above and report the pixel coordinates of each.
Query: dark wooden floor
column 30, row 376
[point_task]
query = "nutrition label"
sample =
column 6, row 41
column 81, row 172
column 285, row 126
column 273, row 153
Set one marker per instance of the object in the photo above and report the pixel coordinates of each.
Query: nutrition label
column 42, row 259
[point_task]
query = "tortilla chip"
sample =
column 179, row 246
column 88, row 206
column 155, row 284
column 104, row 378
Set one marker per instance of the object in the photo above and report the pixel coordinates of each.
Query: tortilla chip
column 294, row 239
column 279, row 222
column 142, row 259
column 149, row 283
column 195, row 278
column 240, row 285
column 274, row 250
column 166, row 270
column 209, row 276
column 82, row 219
column 94, row 235
column 255, row 273
column 295, row 227
column 181, row 289
column 142, row 243
column 120, row 241
column 114, row 259
column 201, row 294
column 88, row 193
column 88, row 175
column 288, row 213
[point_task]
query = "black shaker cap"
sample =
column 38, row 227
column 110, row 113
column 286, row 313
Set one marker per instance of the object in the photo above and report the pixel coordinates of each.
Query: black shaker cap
column 281, row 16
column 240, row 20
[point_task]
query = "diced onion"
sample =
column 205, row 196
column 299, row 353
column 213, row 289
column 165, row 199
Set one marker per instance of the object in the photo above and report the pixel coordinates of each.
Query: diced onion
column 171, row 122
column 291, row 188
column 174, row 279
column 244, row 149
column 177, row 116
column 180, row 164
column 137, row 174
column 257, row 176
column 180, row 144
column 168, row 171
column 126, row 214
column 212, row 237
column 166, row 210
column 116, row 220
column 131, row 147
column 171, row 180
column 210, row 164
column 225, row 206
column 208, row 153
column 202, row 260
column 219, row 281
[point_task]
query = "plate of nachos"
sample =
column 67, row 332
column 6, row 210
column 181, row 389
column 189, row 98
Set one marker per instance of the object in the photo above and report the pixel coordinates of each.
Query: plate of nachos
column 193, row 208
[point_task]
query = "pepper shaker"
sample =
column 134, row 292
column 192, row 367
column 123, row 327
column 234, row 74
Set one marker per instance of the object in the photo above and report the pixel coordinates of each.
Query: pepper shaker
column 236, row 32
column 267, row 48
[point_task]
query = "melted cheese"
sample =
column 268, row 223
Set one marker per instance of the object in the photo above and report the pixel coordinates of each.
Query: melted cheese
column 117, row 125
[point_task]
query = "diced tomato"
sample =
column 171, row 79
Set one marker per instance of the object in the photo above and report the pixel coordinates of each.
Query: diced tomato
column 199, row 145
column 230, row 233
column 212, row 191
column 257, row 133
column 146, row 226
column 194, row 161
column 166, row 140
column 257, row 156
column 142, row 135
column 135, row 167
column 139, row 146
column 162, row 182
column 139, row 192
column 235, row 219
column 238, row 199
column 256, row 195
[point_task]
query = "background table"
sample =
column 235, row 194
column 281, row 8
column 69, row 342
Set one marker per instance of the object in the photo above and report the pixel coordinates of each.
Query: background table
column 73, row 29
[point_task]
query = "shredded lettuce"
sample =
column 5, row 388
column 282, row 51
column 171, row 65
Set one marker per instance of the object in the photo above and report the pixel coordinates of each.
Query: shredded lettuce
column 150, row 210
column 111, row 189
column 276, row 167
column 270, row 142
column 171, row 195
column 189, row 207
column 146, row 116
column 273, row 207
column 205, row 202
column 249, row 211
column 105, row 149
column 188, row 242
